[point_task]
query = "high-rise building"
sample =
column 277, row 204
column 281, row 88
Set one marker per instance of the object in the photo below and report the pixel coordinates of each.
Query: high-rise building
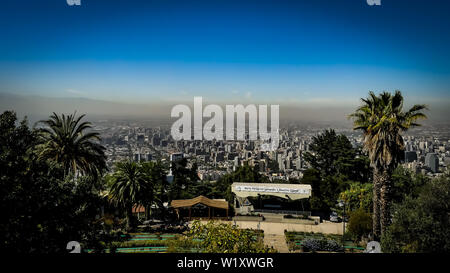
column 156, row 140
column 176, row 156
column 140, row 157
column 298, row 163
column 140, row 138
column 432, row 162
column 410, row 156
column 137, row 157
column 236, row 161
column 281, row 165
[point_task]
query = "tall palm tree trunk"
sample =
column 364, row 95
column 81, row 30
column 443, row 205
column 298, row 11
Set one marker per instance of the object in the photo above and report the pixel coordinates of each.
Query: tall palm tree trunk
column 163, row 209
column 129, row 215
column 385, row 200
column 376, row 223
column 381, row 201
column 147, row 212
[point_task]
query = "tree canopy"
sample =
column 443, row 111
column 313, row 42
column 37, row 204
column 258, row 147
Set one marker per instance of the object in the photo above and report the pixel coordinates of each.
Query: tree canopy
column 334, row 164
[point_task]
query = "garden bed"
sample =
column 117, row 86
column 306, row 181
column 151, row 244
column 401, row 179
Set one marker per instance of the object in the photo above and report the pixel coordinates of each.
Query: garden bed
column 319, row 242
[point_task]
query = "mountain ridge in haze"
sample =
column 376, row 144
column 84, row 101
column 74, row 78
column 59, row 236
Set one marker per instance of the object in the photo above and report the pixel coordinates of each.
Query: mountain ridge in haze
column 37, row 107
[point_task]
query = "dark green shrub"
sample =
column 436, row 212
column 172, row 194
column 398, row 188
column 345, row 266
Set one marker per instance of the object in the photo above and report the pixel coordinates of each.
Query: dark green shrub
column 360, row 224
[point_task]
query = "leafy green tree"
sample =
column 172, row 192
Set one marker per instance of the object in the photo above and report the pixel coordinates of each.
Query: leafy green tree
column 358, row 196
column 382, row 120
column 404, row 183
column 183, row 178
column 246, row 173
column 312, row 177
column 330, row 153
column 204, row 188
column 66, row 140
column 156, row 185
column 421, row 224
column 334, row 163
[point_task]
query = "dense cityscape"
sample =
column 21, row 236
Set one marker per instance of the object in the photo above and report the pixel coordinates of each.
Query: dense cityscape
column 427, row 149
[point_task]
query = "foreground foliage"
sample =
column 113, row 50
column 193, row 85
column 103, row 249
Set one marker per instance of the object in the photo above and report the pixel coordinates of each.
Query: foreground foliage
column 214, row 237
column 421, row 224
column 42, row 208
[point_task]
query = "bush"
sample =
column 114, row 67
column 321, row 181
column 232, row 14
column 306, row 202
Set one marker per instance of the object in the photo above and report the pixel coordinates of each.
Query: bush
column 360, row 224
column 421, row 224
column 214, row 237
column 332, row 245
column 312, row 244
column 184, row 244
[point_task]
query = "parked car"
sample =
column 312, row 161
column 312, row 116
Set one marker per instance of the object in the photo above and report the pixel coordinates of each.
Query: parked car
column 334, row 217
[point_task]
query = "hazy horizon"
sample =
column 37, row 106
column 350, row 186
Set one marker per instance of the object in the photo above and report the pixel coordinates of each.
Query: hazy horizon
column 37, row 107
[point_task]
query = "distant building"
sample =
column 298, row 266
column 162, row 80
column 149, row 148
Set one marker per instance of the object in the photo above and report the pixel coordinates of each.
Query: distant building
column 176, row 156
column 139, row 157
column 156, row 141
column 148, row 157
column 432, row 162
column 281, row 165
column 298, row 163
column 236, row 161
column 140, row 138
column 169, row 177
column 410, row 156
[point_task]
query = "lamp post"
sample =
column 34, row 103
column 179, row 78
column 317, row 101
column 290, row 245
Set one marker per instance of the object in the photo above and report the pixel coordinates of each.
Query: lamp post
column 342, row 205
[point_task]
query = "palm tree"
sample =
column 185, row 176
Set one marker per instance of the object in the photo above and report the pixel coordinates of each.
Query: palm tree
column 64, row 140
column 127, row 188
column 382, row 120
column 154, row 186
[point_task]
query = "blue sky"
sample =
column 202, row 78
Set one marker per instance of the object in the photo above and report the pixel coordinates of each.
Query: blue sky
column 315, row 52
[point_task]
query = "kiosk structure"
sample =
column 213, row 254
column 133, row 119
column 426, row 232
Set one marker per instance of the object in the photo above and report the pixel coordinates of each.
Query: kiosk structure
column 287, row 191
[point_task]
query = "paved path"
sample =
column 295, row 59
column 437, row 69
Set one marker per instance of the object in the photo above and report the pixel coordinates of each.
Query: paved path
column 276, row 241
column 274, row 231
column 279, row 228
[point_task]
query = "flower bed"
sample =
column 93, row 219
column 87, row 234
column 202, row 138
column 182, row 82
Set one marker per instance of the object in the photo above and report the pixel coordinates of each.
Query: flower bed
column 310, row 241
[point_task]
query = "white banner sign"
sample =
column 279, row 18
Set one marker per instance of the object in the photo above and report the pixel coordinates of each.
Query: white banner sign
column 272, row 189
